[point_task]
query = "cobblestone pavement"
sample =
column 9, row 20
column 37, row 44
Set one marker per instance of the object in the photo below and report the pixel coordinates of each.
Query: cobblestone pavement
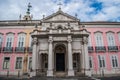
column 58, row 78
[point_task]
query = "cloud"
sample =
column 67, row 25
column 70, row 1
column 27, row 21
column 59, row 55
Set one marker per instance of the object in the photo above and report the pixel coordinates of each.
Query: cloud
column 87, row 10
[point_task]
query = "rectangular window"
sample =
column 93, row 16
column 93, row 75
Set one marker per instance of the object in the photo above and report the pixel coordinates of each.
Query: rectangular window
column 99, row 39
column 114, row 61
column 101, row 61
column 75, row 60
column 9, row 42
column 90, row 62
column 6, row 63
column 18, row 63
column 30, row 62
column 21, row 41
column 111, row 39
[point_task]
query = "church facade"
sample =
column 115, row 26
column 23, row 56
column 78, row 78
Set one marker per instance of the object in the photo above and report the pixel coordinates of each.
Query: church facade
column 59, row 45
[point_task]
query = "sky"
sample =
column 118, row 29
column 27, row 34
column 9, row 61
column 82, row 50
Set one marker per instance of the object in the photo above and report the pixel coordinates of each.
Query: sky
column 86, row 10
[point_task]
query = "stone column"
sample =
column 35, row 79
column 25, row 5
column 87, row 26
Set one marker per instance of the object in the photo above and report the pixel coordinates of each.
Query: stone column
column 82, row 58
column 70, row 58
column 50, row 58
column 86, row 57
column 34, row 56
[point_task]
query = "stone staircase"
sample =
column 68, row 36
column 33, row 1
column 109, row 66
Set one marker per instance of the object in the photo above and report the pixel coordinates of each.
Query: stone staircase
column 61, row 78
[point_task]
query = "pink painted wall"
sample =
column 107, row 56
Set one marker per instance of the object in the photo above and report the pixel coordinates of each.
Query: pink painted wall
column 11, row 55
column 107, row 54
column 91, row 30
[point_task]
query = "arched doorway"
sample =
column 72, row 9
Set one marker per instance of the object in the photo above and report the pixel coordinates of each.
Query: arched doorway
column 60, row 51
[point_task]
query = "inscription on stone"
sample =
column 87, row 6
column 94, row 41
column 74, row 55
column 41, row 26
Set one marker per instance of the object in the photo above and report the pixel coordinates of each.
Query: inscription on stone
column 59, row 38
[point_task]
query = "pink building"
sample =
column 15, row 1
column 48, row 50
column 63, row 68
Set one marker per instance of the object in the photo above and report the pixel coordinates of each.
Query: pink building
column 101, row 55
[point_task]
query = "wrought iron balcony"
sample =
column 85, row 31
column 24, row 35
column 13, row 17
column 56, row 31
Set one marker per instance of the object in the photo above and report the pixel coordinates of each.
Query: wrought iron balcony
column 30, row 49
column 112, row 48
column 8, row 49
column 20, row 49
column 100, row 49
column 90, row 49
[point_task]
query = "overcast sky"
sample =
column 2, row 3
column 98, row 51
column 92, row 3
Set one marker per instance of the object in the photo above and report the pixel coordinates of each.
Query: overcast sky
column 87, row 10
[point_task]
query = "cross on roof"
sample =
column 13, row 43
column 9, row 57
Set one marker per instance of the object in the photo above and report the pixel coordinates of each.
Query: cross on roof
column 60, row 4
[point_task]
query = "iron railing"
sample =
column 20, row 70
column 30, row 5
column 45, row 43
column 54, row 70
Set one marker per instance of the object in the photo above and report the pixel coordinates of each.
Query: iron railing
column 20, row 49
column 90, row 49
column 100, row 49
column 8, row 49
column 112, row 48
column 29, row 49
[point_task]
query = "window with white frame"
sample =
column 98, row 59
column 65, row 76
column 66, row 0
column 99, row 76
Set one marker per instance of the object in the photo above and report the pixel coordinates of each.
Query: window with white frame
column 1, row 40
column 101, row 60
column 110, row 39
column 99, row 39
column 89, row 40
column 21, row 39
column 9, row 41
column 6, row 63
column 119, row 36
column 114, row 61
column 90, row 62
column 30, row 62
column 18, row 63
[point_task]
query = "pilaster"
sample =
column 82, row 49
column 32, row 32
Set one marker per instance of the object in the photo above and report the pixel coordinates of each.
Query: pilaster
column 50, row 57
column 34, row 57
column 70, row 58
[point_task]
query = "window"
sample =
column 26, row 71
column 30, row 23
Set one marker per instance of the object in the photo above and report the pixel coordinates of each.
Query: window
column 76, row 60
column 110, row 38
column 21, row 40
column 30, row 62
column 6, row 63
column 99, row 39
column 114, row 61
column 119, row 36
column 101, row 59
column 9, row 41
column 45, row 61
column 90, row 62
column 18, row 63
column 1, row 39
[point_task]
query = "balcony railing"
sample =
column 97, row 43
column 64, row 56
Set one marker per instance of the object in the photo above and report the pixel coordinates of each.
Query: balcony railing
column 30, row 49
column 100, row 49
column 20, row 49
column 8, row 49
column 90, row 49
column 112, row 48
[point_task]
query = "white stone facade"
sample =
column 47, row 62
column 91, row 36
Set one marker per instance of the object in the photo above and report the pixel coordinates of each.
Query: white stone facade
column 59, row 37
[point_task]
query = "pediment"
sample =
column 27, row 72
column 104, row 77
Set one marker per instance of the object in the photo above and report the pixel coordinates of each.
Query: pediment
column 60, row 16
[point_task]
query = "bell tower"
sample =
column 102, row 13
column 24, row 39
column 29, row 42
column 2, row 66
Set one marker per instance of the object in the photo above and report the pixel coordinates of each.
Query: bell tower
column 28, row 16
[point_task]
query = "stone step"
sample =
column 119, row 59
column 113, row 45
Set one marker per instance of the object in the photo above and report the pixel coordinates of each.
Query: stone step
column 61, row 78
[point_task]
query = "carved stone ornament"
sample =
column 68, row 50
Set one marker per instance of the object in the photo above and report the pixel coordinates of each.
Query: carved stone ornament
column 85, row 40
column 69, row 40
column 35, row 40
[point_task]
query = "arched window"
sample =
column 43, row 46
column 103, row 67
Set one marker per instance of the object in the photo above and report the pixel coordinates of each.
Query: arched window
column 9, row 40
column 110, row 39
column 21, row 40
column 99, row 39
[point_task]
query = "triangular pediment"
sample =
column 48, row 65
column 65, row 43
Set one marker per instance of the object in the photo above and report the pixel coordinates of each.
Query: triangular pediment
column 60, row 16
